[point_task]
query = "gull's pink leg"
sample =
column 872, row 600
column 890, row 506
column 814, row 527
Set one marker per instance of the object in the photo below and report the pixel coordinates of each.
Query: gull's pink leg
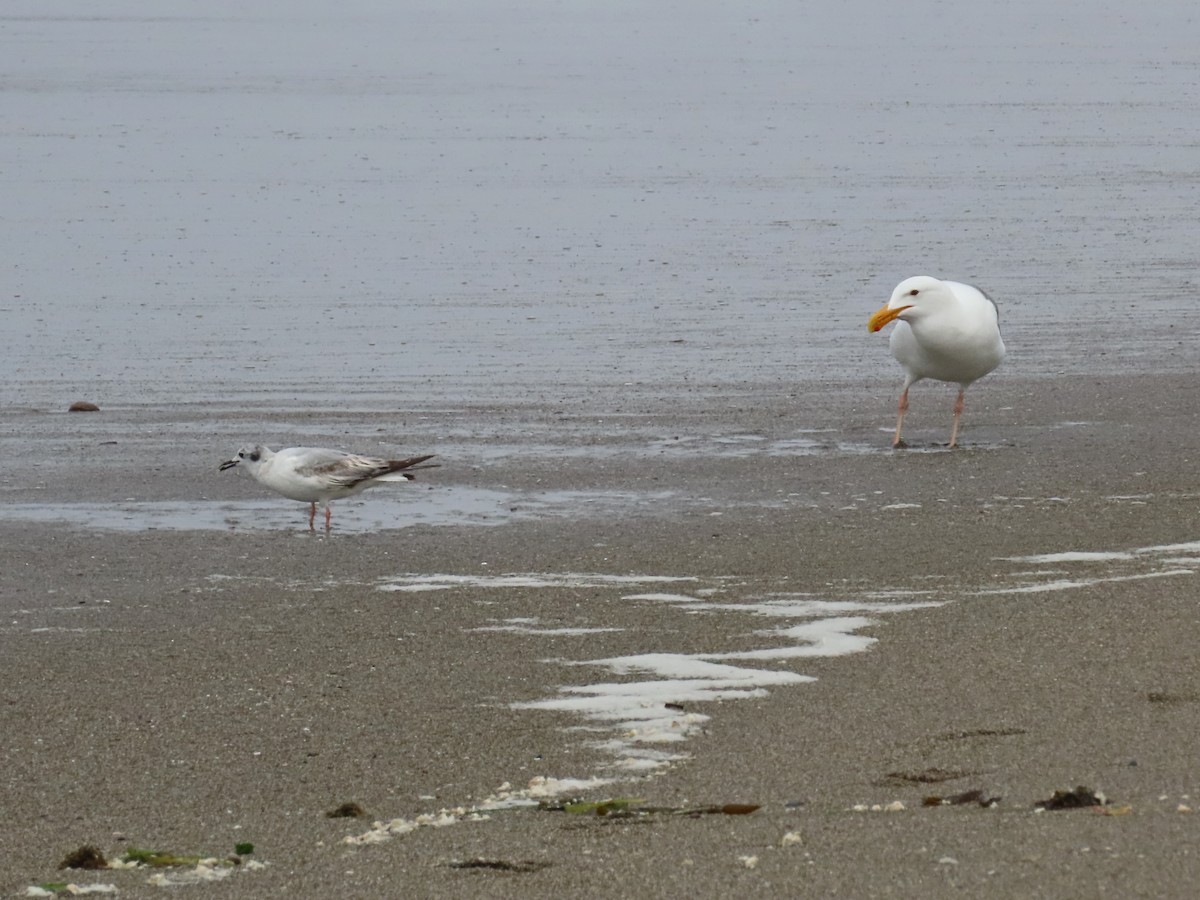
column 897, row 441
column 312, row 515
column 328, row 516
column 958, row 408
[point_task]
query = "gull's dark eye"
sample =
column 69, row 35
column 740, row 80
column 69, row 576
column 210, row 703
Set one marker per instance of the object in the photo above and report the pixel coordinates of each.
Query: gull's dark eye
column 913, row 292
column 254, row 456
column 241, row 454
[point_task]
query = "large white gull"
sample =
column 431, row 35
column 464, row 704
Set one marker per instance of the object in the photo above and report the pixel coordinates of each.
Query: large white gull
column 945, row 330
column 318, row 475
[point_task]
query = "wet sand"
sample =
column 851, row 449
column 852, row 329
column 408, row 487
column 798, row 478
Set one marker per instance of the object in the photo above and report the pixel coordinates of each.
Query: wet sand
column 192, row 688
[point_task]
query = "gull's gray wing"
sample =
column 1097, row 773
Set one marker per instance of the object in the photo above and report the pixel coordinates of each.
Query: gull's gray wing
column 336, row 467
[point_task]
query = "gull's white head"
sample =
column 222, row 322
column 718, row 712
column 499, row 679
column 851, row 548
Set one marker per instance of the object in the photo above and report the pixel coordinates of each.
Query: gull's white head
column 911, row 298
column 251, row 455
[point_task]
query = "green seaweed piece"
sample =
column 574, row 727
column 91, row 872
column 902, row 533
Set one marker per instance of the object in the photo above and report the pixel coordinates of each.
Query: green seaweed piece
column 160, row 859
column 243, row 849
column 602, row 807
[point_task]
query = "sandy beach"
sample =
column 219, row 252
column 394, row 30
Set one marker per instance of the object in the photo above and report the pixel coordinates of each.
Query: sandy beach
column 612, row 264
column 191, row 689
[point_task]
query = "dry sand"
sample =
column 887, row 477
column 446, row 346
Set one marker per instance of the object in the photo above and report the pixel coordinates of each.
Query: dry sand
column 190, row 689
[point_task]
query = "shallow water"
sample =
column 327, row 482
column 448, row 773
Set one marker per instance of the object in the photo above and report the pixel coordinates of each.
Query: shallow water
column 373, row 513
column 285, row 205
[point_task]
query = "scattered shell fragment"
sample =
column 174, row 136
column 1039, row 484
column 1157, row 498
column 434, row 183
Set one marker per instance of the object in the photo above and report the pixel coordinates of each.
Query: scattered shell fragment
column 790, row 839
column 385, row 831
column 894, row 806
column 206, row 870
column 748, row 861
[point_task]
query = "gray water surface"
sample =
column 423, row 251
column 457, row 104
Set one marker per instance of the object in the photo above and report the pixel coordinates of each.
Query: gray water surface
column 311, row 203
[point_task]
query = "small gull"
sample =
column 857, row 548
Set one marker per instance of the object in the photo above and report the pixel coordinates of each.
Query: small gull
column 944, row 330
column 318, row 475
